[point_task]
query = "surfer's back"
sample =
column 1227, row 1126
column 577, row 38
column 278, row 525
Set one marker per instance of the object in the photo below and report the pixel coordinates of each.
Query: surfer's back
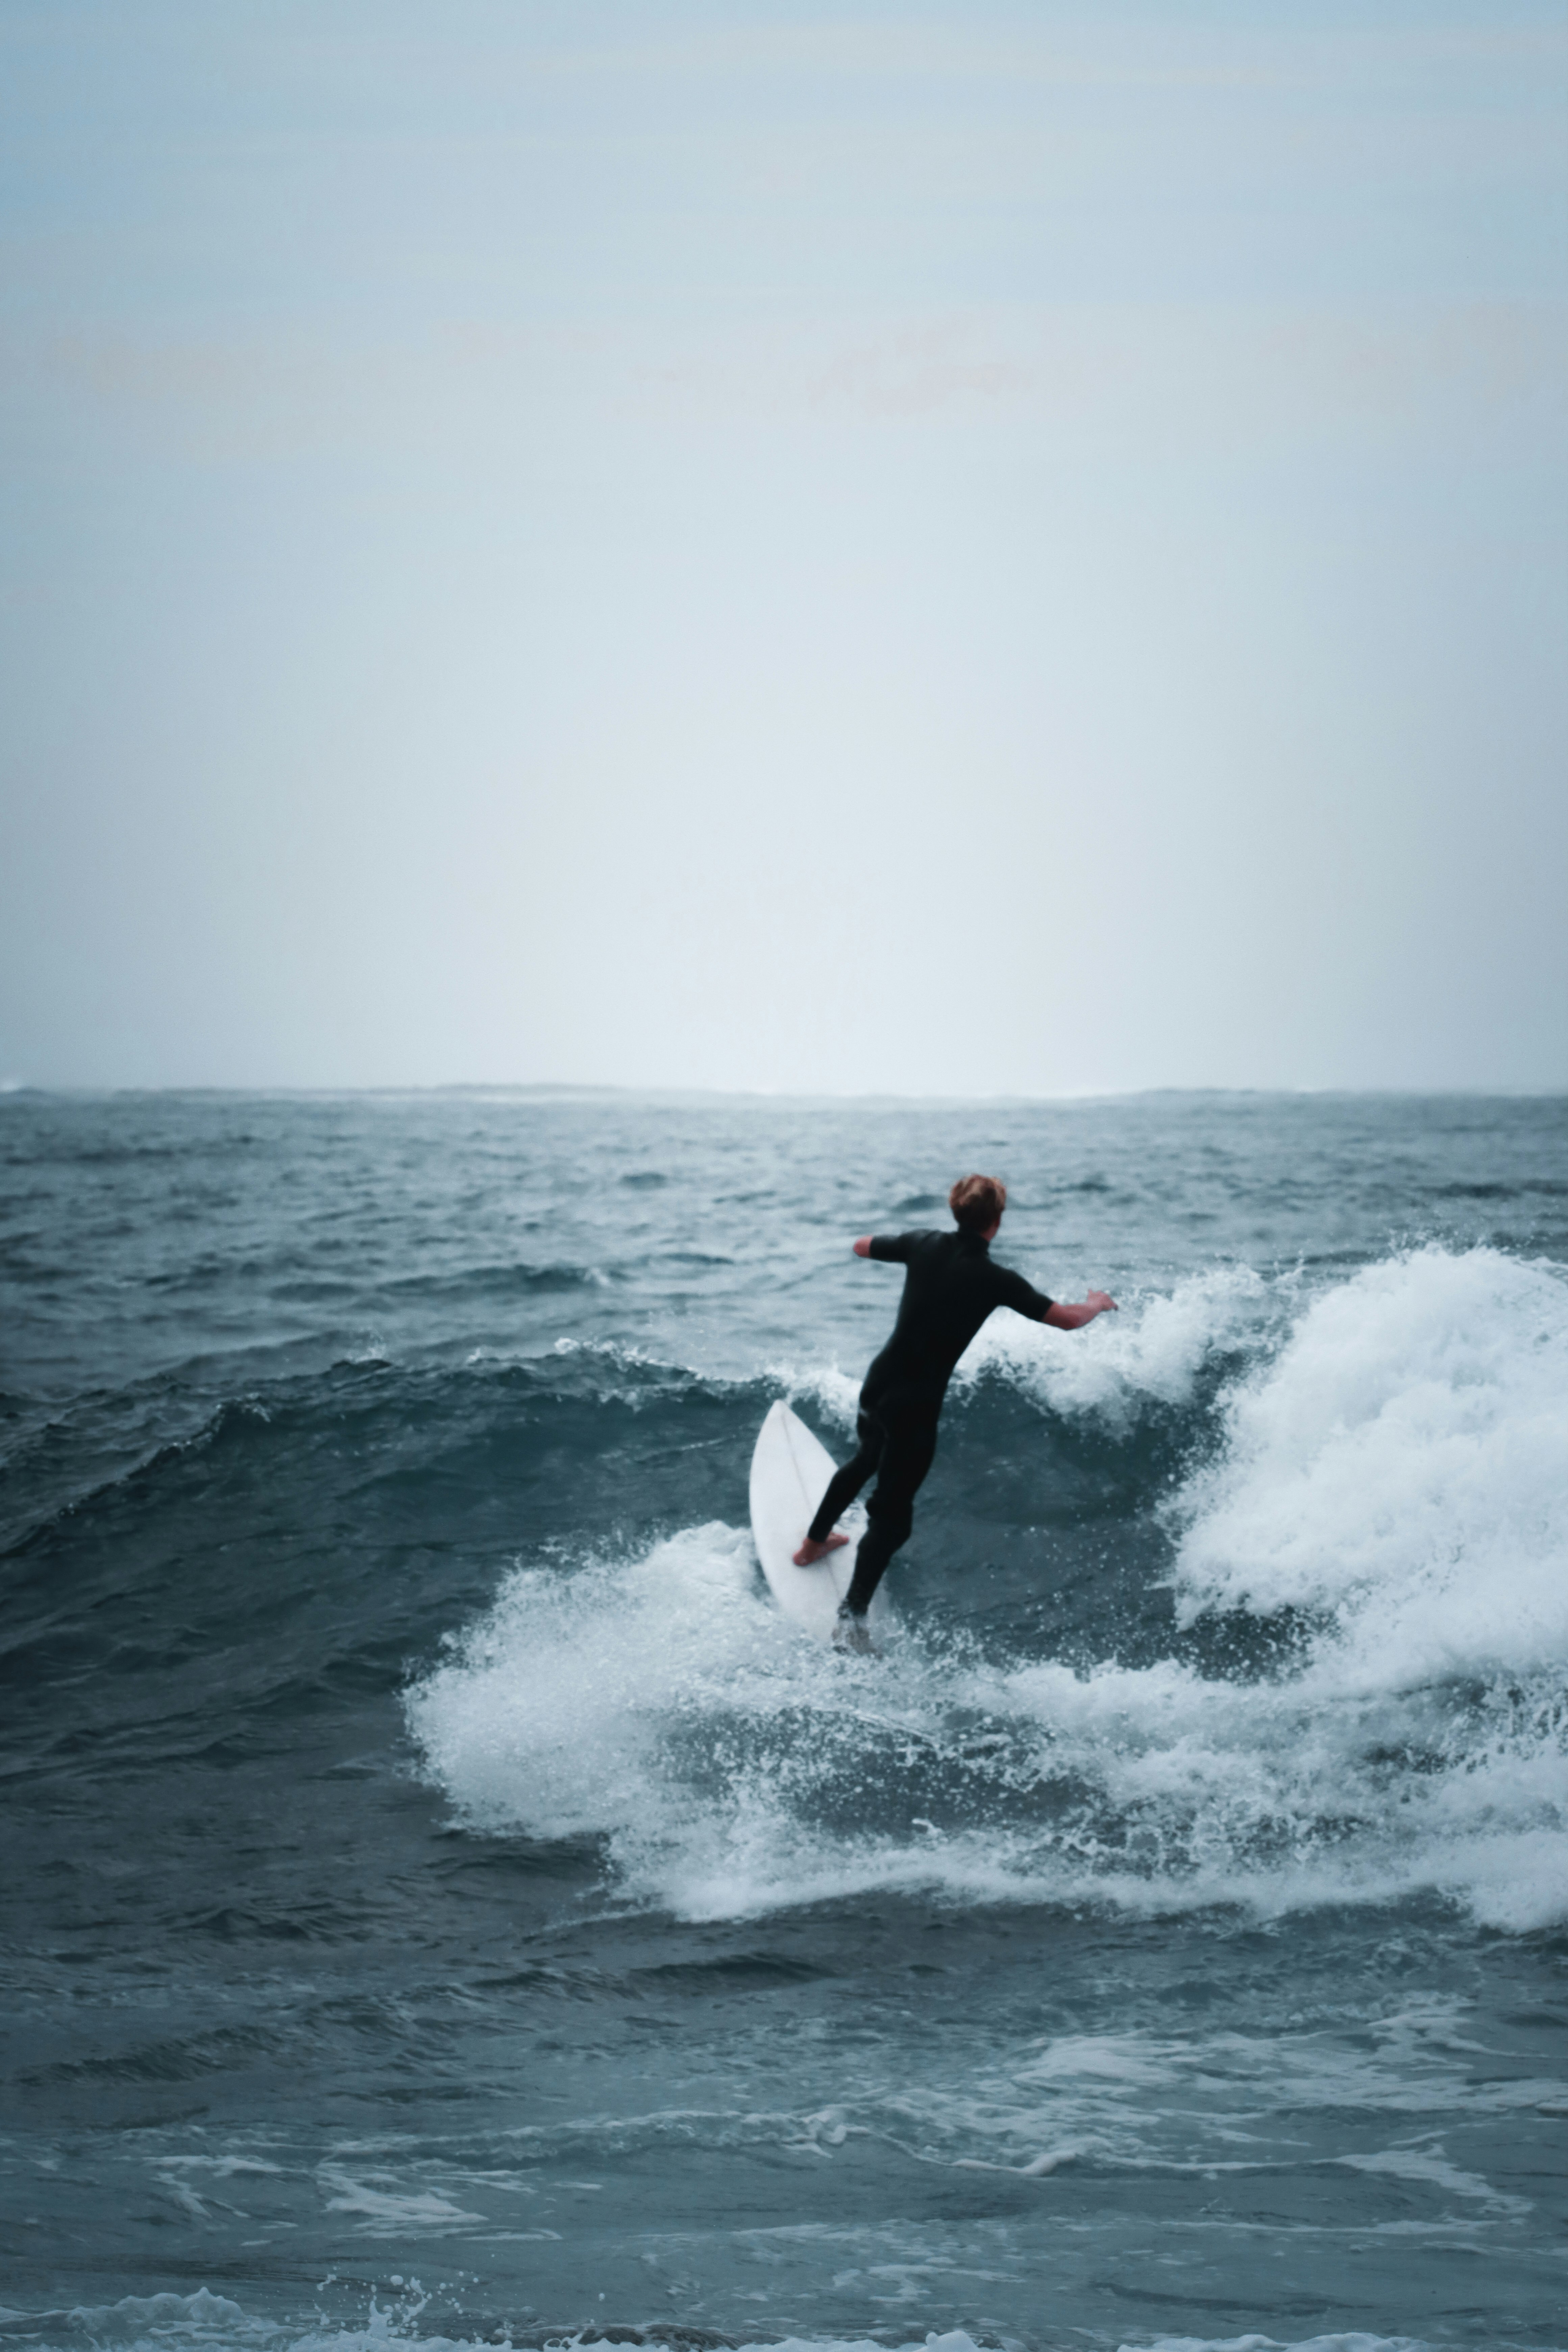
column 950, row 1285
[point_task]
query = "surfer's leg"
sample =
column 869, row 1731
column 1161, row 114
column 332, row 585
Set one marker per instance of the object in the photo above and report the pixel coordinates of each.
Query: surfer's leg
column 890, row 1513
column 847, row 1483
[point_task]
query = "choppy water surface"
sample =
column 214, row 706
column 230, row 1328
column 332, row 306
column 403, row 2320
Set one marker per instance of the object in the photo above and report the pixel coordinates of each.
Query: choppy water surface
column 440, row 1896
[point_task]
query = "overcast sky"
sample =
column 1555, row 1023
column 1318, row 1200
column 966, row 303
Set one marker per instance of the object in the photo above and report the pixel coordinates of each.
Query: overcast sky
column 928, row 549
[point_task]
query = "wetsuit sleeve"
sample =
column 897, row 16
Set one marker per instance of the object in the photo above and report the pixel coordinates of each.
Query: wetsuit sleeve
column 894, row 1249
column 1013, row 1291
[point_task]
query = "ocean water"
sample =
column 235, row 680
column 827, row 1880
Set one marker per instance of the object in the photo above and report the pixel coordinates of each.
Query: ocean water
column 442, row 1900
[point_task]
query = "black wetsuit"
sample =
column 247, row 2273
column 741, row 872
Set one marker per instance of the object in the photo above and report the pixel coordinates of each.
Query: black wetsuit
column 951, row 1287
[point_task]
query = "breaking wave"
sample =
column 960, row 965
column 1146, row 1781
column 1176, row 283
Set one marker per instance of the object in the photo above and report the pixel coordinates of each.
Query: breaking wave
column 1381, row 1493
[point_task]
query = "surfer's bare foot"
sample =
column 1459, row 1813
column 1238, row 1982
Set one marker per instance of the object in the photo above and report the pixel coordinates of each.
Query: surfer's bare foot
column 811, row 1551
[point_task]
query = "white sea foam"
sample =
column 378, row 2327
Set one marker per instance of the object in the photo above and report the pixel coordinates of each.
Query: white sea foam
column 834, row 1391
column 386, row 2208
column 1353, row 2342
column 1152, row 1350
column 1400, row 1470
column 204, row 2322
column 1212, row 2101
column 1394, row 1472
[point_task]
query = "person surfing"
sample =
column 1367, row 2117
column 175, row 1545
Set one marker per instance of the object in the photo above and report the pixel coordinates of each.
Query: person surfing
column 950, row 1285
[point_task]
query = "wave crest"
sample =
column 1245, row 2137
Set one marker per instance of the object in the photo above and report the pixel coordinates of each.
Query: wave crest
column 1397, row 1473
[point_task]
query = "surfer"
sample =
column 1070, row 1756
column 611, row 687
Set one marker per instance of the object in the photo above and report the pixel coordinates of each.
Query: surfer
column 950, row 1287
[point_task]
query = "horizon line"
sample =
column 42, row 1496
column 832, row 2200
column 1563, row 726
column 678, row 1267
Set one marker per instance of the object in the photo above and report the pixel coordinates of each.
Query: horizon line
column 24, row 1090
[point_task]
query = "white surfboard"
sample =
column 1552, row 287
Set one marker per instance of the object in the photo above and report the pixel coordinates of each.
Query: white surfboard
column 790, row 1471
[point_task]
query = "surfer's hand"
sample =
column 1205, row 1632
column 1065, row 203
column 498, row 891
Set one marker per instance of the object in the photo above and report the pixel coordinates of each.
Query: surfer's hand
column 1102, row 1302
column 863, row 1247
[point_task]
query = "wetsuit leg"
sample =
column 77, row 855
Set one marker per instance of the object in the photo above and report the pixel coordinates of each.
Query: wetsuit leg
column 847, row 1483
column 906, row 1457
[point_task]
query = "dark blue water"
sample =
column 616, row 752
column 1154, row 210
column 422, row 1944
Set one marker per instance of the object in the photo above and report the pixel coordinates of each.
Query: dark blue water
column 441, row 1897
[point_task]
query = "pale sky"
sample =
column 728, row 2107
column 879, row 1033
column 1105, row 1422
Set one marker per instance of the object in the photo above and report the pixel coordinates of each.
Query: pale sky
column 943, row 549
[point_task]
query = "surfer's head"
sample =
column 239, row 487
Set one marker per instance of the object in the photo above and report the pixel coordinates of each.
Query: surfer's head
column 977, row 1202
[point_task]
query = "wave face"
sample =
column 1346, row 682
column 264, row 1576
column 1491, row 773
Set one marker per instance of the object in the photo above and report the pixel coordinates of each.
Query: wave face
column 445, row 1900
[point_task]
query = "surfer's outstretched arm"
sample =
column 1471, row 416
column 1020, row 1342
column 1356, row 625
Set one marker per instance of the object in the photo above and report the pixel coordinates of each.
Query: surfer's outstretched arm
column 1069, row 1315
